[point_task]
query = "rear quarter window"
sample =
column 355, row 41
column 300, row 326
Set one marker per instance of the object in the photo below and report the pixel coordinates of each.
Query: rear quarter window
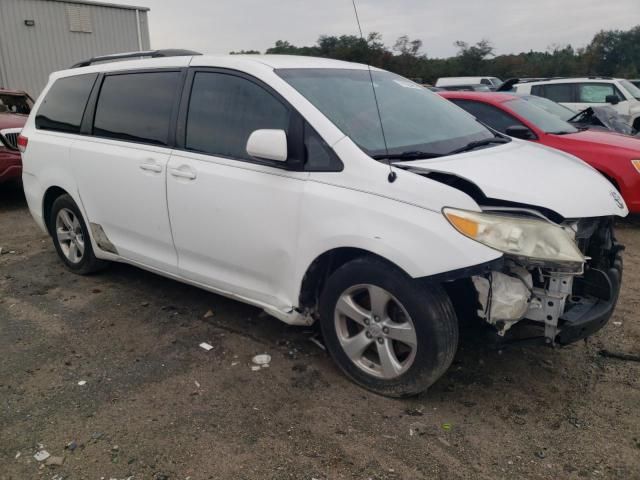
column 64, row 104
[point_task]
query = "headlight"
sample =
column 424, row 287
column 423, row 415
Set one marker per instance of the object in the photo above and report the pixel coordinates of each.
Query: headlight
column 532, row 240
column 636, row 164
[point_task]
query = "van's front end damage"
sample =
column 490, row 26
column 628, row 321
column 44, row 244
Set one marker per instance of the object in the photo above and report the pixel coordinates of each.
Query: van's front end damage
column 561, row 282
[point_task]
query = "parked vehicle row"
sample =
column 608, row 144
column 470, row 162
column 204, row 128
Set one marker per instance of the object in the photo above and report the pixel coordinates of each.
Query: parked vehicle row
column 491, row 83
column 529, row 118
column 286, row 183
column 582, row 93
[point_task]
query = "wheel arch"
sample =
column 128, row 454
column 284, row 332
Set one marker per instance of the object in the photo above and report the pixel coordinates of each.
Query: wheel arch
column 50, row 196
column 324, row 265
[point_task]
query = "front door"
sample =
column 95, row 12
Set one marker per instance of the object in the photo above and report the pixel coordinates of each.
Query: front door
column 234, row 218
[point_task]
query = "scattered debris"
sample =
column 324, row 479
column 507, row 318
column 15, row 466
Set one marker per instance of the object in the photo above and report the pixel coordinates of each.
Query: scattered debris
column 541, row 454
column 71, row 446
column 416, row 429
column 316, row 341
column 18, row 455
column 262, row 360
column 414, row 412
column 197, row 383
column 233, row 364
column 82, row 382
column 144, row 304
column 208, row 314
column 206, row 346
column 447, row 426
column 620, row 355
column 41, row 455
column 617, row 324
column 255, row 368
column 54, row 461
column 444, row 442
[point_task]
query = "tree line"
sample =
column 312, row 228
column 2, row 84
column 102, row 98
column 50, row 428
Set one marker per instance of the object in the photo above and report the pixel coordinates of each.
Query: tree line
column 610, row 53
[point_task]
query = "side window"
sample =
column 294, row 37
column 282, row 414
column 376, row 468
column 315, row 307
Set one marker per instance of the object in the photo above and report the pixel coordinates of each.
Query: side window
column 63, row 106
column 559, row 92
column 319, row 156
column 136, row 107
column 489, row 115
column 597, row 92
column 537, row 90
column 486, row 81
column 225, row 109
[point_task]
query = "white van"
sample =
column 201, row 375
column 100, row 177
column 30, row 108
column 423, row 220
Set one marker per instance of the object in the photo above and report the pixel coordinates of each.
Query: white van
column 491, row 82
column 280, row 181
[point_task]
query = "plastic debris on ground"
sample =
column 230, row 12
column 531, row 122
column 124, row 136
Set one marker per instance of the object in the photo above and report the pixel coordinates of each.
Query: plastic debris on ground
column 316, row 341
column 261, row 361
column 82, row 382
column 17, row 455
column 206, row 346
column 208, row 314
column 54, row 461
column 41, row 455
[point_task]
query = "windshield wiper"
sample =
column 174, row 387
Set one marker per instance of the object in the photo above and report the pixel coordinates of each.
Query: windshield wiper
column 410, row 155
column 479, row 143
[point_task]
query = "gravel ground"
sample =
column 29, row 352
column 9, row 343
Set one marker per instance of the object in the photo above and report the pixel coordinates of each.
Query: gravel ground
column 156, row 406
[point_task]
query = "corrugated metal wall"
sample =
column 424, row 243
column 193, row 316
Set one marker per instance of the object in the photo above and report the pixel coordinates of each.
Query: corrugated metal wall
column 28, row 54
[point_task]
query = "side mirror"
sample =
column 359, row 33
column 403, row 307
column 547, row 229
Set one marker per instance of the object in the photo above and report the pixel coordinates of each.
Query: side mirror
column 521, row 132
column 268, row 145
column 612, row 99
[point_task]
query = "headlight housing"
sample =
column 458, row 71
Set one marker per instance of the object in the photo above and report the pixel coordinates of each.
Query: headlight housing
column 531, row 240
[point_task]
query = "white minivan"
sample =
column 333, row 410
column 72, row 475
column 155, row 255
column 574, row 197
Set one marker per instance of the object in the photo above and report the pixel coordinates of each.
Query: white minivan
column 284, row 182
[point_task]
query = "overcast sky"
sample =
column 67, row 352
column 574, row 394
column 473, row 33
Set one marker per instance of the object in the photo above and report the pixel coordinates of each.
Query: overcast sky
column 219, row 26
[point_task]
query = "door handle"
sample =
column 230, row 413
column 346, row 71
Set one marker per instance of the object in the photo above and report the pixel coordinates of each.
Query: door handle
column 151, row 167
column 186, row 174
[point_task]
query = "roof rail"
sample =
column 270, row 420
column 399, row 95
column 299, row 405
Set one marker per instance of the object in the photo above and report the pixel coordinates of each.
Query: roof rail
column 171, row 52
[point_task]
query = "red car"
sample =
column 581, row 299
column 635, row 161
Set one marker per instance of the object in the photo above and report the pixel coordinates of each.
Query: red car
column 14, row 110
column 533, row 118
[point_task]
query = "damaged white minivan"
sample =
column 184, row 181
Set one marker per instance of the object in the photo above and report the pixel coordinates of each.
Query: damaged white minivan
column 326, row 191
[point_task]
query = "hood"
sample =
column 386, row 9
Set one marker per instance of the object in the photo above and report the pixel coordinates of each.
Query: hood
column 605, row 138
column 533, row 175
column 12, row 120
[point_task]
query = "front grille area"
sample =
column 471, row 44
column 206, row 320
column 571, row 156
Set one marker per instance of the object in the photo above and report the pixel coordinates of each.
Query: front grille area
column 9, row 138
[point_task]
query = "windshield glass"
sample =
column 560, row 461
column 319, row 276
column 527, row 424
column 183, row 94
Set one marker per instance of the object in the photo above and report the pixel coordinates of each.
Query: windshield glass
column 550, row 106
column 542, row 119
column 631, row 88
column 414, row 119
column 15, row 104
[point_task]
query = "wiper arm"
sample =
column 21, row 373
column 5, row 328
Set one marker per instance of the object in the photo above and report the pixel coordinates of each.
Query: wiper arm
column 410, row 155
column 479, row 143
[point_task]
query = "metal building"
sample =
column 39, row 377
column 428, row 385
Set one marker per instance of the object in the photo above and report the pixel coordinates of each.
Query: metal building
column 38, row 37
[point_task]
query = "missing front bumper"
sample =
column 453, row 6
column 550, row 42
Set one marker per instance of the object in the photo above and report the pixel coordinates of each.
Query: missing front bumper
column 553, row 306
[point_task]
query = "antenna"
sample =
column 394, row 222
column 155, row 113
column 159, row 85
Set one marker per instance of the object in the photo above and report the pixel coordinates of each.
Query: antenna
column 392, row 175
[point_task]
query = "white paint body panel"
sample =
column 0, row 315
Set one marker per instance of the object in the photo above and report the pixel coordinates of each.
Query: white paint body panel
column 251, row 231
column 533, row 175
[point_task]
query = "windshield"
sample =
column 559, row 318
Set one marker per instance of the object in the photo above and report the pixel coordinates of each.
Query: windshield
column 631, row 88
column 542, row 119
column 550, row 106
column 15, row 104
column 414, row 119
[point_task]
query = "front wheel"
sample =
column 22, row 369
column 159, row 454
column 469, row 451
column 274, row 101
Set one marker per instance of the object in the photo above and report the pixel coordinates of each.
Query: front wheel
column 388, row 332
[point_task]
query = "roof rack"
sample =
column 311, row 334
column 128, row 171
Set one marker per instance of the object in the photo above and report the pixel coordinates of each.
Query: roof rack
column 171, row 52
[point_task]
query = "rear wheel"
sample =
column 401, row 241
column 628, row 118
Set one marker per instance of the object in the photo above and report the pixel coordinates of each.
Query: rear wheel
column 389, row 333
column 71, row 237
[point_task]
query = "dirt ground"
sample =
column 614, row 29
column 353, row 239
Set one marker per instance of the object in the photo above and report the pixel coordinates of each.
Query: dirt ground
column 157, row 406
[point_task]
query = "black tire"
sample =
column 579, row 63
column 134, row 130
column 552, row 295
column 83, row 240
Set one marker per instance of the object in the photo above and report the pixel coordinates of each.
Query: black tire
column 430, row 309
column 89, row 263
